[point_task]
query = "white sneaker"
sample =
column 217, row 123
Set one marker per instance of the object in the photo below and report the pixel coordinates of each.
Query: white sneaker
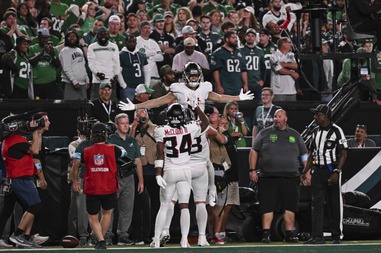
column 3, row 244
column 155, row 243
column 202, row 241
column 38, row 239
column 184, row 243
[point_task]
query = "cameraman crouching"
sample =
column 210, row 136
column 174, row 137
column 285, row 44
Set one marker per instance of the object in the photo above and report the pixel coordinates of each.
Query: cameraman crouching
column 18, row 154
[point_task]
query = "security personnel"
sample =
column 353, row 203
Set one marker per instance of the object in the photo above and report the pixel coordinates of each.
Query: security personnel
column 327, row 154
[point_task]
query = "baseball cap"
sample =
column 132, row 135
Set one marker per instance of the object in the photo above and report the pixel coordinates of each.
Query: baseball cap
column 104, row 85
column 102, row 29
column 168, row 13
column 43, row 32
column 323, row 109
column 166, row 69
column 191, row 20
column 22, row 39
column 188, row 29
column 323, row 41
column 9, row 13
column 143, row 88
column 140, row 10
column 189, row 42
column 265, row 31
column 99, row 128
column 144, row 23
column 158, row 17
column 114, row 18
column 250, row 9
column 251, row 30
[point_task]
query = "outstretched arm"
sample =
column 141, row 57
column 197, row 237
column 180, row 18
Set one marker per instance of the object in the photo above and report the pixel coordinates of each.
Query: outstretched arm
column 221, row 98
column 129, row 106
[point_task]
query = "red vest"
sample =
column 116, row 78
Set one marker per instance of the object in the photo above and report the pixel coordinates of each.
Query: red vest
column 17, row 167
column 101, row 175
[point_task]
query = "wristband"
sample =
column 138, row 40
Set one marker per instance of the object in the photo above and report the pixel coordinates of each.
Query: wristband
column 304, row 158
column 251, row 170
column 338, row 171
column 159, row 163
column 38, row 166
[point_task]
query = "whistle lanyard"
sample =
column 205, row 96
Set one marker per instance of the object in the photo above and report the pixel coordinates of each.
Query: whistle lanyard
column 108, row 111
column 264, row 119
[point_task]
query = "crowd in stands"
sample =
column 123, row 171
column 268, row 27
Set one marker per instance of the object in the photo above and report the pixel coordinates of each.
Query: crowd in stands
column 34, row 67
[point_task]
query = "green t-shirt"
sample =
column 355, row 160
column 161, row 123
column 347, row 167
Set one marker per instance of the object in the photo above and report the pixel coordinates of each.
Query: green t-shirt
column 87, row 25
column 52, row 38
column 58, row 10
column 23, row 76
column 119, row 40
column 208, row 7
column 80, row 3
column 5, row 30
column 44, row 71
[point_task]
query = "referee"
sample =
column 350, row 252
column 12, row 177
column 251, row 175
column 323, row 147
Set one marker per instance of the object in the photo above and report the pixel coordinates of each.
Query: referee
column 327, row 154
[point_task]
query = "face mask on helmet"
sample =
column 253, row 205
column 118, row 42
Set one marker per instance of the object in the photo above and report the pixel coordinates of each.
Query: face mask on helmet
column 192, row 75
column 176, row 115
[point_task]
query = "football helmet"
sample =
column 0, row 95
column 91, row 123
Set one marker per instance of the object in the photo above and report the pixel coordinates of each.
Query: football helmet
column 192, row 74
column 176, row 115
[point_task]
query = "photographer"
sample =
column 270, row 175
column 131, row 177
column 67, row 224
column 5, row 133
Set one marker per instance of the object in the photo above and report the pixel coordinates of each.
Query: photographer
column 142, row 129
column 18, row 154
column 237, row 124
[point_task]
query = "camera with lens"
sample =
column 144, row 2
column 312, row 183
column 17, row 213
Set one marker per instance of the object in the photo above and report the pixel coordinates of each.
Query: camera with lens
column 85, row 124
column 238, row 116
column 19, row 124
column 142, row 120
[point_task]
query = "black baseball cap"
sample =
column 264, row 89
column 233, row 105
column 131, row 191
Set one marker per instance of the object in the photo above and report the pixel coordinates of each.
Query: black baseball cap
column 323, row 108
column 99, row 128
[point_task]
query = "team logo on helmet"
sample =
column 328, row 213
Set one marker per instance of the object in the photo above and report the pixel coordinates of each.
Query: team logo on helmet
column 192, row 74
column 176, row 115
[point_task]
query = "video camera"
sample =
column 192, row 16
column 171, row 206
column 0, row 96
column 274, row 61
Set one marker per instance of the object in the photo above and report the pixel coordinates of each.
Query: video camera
column 85, row 124
column 19, row 124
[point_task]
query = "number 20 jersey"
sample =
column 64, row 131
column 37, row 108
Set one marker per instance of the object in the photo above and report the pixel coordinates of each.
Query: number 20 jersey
column 177, row 143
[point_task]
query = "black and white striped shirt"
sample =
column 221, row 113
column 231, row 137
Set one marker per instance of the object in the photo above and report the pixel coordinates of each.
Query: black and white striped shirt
column 326, row 143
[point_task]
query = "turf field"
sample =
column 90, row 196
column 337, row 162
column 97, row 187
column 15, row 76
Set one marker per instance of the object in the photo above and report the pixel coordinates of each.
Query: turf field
column 346, row 247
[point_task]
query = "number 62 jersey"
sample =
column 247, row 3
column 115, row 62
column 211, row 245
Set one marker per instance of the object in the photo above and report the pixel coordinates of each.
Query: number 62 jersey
column 177, row 143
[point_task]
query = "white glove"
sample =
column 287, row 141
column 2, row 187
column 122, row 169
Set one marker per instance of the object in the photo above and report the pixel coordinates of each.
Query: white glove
column 246, row 96
column 192, row 100
column 161, row 182
column 212, row 195
column 129, row 106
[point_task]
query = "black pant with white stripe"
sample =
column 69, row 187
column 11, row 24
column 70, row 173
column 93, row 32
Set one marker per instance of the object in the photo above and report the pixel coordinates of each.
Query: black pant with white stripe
column 322, row 193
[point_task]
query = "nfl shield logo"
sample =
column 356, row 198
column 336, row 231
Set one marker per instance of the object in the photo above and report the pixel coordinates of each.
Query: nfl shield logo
column 98, row 159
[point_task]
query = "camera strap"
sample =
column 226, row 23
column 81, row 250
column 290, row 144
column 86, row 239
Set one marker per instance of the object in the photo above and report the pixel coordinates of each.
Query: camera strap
column 264, row 119
column 144, row 131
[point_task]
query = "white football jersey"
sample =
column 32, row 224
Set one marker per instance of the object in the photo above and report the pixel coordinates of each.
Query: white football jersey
column 200, row 148
column 185, row 94
column 177, row 143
